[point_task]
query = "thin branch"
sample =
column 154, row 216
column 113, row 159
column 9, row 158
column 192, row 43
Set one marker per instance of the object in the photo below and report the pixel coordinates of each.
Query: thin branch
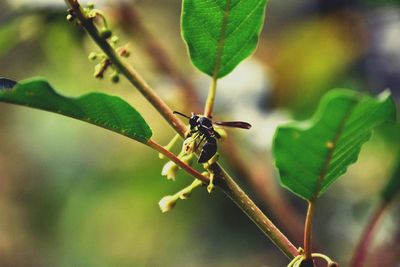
column 308, row 231
column 208, row 109
column 132, row 23
column 126, row 69
column 153, row 144
column 259, row 176
column 222, row 179
column 234, row 192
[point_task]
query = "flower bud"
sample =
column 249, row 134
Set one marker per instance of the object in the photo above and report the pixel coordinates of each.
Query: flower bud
column 105, row 33
column 70, row 18
column 114, row 77
column 170, row 169
column 98, row 73
column 92, row 56
column 114, row 39
column 167, row 203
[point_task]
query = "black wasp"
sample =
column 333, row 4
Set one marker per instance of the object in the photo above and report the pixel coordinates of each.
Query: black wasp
column 204, row 127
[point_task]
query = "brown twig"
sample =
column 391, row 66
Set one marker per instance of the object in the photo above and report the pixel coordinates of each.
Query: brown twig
column 151, row 143
column 222, row 179
column 258, row 175
column 132, row 23
column 308, row 231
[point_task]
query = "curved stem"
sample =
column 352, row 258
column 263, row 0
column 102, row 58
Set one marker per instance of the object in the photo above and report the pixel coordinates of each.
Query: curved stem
column 210, row 98
column 259, row 175
column 308, row 231
column 125, row 69
column 233, row 191
column 132, row 22
column 361, row 251
column 153, row 144
column 222, row 179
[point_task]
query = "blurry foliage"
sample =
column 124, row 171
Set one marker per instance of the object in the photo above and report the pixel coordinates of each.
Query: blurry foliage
column 73, row 195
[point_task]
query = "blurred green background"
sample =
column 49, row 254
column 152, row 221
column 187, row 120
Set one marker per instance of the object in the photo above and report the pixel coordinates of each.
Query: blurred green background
column 72, row 194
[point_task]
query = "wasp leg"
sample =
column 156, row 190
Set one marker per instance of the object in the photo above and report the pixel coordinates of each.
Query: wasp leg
column 199, row 143
column 210, row 186
column 216, row 134
column 190, row 132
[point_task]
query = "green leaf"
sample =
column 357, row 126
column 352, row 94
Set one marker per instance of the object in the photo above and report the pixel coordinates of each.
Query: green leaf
column 311, row 155
column 392, row 187
column 109, row 112
column 221, row 33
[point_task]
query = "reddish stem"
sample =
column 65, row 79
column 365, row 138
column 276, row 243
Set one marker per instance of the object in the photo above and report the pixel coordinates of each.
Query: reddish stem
column 153, row 144
column 361, row 251
column 308, row 231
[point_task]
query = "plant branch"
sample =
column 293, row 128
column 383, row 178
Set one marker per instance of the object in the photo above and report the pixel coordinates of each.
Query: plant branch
column 234, row 192
column 126, row 69
column 308, row 231
column 186, row 167
column 208, row 109
column 260, row 174
column 132, row 23
column 222, row 179
column 361, row 251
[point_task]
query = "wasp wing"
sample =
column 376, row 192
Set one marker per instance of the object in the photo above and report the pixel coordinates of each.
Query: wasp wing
column 235, row 124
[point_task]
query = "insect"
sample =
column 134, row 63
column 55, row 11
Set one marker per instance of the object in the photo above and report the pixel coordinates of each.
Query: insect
column 203, row 126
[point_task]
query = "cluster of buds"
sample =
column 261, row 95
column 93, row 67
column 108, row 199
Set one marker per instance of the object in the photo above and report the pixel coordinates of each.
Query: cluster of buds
column 167, row 203
column 170, row 169
column 104, row 32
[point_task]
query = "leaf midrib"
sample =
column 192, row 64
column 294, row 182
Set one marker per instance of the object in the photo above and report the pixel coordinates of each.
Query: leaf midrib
column 220, row 47
column 329, row 156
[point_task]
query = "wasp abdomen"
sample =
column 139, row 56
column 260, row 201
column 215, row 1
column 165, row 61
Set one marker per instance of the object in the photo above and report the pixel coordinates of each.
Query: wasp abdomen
column 208, row 150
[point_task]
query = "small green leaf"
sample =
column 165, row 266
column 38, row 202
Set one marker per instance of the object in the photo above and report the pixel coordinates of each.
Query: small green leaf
column 392, row 188
column 109, row 112
column 221, row 33
column 311, row 155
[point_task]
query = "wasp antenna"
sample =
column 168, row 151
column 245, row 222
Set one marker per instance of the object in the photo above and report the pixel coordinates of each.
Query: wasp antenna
column 177, row 112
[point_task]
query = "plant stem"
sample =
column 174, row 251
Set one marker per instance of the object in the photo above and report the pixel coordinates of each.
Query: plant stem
column 259, row 175
column 132, row 23
column 153, row 144
column 126, row 69
column 210, row 98
column 224, row 181
column 361, row 251
column 308, row 231
column 217, row 64
column 234, row 192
